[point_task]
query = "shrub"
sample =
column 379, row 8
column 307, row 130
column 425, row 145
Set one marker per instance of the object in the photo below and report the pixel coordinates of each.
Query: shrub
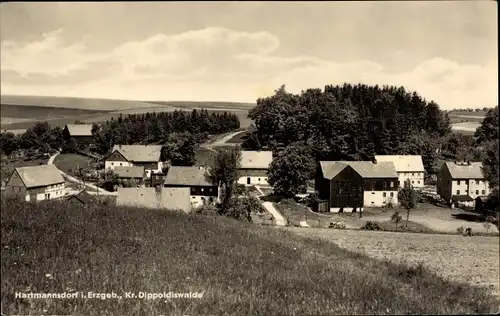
column 371, row 225
column 460, row 230
column 206, row 209
column 337, row 225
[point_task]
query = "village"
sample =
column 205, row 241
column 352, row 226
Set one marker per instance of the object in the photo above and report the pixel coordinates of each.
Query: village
column 141, row 176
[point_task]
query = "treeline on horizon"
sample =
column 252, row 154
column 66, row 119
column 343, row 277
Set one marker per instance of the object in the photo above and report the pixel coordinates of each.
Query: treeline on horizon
column 145, row 128
column 355, row 122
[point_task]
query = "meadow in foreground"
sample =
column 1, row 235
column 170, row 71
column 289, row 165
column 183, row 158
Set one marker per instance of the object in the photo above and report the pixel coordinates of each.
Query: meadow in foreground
column 242, row 269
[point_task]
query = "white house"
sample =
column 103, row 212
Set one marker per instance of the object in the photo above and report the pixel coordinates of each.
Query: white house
column 254, row 167
column 148, row 156
column 408, row 167
column 461, row 181
column 194, row 178
column 36, row 183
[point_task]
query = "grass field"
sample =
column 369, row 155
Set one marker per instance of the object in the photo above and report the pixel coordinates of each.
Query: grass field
column 241, row 269
column 68, row 163
column 465, row 259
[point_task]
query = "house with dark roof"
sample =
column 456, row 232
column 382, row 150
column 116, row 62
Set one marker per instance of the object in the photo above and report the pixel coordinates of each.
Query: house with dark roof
column 348, row 186
column 81, row 133
column 254, row 167
column 36, row 183
column 408, row 167
column 201, row 189
column 459, row 182
column 136, row 173
column 81, row 197
column 148, row 156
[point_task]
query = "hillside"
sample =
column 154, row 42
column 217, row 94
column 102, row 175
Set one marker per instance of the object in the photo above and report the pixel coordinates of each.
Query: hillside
column 241, row 269
column 21, row 112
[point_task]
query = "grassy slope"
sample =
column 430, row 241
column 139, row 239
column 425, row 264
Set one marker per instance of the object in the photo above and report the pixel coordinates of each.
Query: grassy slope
column 242, row 269
column 67, row 162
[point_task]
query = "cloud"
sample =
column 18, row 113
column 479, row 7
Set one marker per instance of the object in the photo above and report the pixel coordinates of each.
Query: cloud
column 218, row 63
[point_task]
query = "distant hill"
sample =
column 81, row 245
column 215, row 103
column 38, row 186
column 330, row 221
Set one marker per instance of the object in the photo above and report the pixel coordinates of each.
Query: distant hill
column 21, row 112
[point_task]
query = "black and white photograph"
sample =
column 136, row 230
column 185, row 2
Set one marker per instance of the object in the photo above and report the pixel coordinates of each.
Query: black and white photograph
column 249, row 158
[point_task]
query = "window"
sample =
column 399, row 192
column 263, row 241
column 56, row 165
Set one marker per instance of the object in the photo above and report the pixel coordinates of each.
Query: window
column 418, row 182
column 120, row 164
column 202, row 189
column 458, row 191
column 392, row 184
column 458, row 182
column 193, row 197
column 392, row 194
column 373, row 202
column 477, row 192
column 482, row 192
column 203, row 198
column 259, row 179
column 477, row 182
column 384, row 194
column 373, row 193
column 248, row 180
column 399, row 183
column 412, row 182
column 112, row 163
column 412, row 174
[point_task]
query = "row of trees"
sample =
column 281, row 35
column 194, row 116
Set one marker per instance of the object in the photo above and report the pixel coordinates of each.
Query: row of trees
column 157, row 127
column 179, row 131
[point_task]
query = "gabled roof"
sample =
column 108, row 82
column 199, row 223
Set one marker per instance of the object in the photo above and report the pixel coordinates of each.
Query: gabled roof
column 187, row 176
column 40, row 176
column 129, row 171
column 83, row 196
column 79, row 129
column 139, row 153
column 256, row 159
column 365, row 169
column 464, row 170
column 404, row 163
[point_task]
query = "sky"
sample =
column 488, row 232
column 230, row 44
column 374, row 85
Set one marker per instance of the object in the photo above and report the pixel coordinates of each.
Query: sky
column 240, row 51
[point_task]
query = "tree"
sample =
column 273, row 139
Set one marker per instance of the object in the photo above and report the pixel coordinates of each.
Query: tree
column 396, row 219
column 291, row 169
column 408, row 198
column 488, row 130
column 224, row 173
column 491, row 173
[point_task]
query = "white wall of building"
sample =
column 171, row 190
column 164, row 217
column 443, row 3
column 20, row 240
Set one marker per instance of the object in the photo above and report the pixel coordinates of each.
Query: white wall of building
column 416, row 178
column 253, row 180
column 112, row 164
column 470, row 187
column 377, row 198
column 51, row 192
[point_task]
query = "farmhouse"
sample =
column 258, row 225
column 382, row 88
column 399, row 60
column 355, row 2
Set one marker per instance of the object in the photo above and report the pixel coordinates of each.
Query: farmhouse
column 148, row 156
column 36, row 183
column 136, row 173
column 462, row 182
column 155, row 198
column 81, row 133
column 408, row 167
column 201, row 190
column 351, row 185
column 254, row 167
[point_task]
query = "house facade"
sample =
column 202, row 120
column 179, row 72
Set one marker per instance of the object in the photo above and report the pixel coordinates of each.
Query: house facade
column 408, row 167
column 254, row 167
column 148, row 156
column 81, row 133
column 36, row 183
column 194, row 178
column 349, row 186
column 461, row 181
